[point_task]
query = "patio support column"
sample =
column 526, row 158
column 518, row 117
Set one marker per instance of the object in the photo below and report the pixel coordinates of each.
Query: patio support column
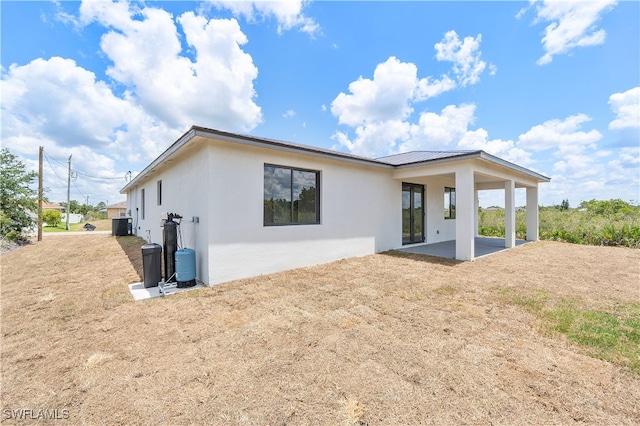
column 509, row 214
column 476, row 207
column 532, row 214
column 465, row 188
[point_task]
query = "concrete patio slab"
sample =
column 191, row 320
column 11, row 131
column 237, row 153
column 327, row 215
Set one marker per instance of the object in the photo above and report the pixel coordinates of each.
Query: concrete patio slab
column 484, row 246
column 139, row 292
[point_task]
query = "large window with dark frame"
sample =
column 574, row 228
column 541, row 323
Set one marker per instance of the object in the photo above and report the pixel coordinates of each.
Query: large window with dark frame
column 291, row 196
column 449, row 203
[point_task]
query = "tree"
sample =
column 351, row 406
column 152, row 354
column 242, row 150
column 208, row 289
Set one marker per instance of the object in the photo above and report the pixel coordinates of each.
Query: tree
column 564, row 205
column 84, row 209
column 17, row 198
column 607, row 207
column 74, row 207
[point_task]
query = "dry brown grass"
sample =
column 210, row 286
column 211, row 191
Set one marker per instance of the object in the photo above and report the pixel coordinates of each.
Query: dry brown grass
column 382, row 339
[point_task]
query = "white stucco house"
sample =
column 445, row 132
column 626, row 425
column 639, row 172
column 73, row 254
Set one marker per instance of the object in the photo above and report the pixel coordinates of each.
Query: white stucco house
column 255, row 206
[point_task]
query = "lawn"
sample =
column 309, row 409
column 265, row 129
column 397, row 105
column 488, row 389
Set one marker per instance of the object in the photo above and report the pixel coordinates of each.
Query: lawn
column 100, row 224
column 520, row 337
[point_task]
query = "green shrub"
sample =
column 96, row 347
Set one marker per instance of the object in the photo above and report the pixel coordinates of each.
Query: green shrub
column 609, row 223
column 51, row 217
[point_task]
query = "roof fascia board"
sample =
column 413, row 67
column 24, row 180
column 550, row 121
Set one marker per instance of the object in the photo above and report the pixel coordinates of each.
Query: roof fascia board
column 465, row 156
column 505, row 163
column 481, row 155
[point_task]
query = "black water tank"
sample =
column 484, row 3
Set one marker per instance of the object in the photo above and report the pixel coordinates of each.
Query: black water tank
column 120, row 226
column 152, row 264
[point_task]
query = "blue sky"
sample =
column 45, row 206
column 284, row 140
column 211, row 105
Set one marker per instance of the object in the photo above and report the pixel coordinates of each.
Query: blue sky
column 552, row 86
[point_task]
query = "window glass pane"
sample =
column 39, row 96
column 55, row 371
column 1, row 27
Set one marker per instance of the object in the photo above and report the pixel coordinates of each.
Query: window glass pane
column 447, row 202
column 277, row 195
column 304, row 197
column 417, row 214
column 453, row 203
column 406, row 214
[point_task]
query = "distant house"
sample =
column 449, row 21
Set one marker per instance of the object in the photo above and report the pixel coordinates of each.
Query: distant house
column 51, row 206
column 253, row 206
column 117, row 210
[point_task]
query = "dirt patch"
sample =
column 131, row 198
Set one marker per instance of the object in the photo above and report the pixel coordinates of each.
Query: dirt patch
column 382, row 339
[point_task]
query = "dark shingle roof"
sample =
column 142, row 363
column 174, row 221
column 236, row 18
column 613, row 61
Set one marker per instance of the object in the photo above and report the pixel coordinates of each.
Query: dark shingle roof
column 420, row 156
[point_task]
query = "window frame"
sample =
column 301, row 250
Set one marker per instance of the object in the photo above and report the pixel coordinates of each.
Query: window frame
column 291, row 214
column 159, row 191
column 450, row 213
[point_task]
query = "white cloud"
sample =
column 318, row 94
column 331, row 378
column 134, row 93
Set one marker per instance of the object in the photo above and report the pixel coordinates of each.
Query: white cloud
column 584, row 177
column 625, row 167
column 623, row 172
column 626, row 106
column 146, row 52
column 430, row 88
column 505, row 149
column 161, row 91
column 375, row 139
column 565, row 135
column 448, row 129
column 521, row 12
column 82, row 118
column 573, row 24
column 441, row 131
column 79, row 109
column 578, row 166
column 465, row 55
column 289, row 113
column 386, row 97
column 288, row 13
column 395, row 86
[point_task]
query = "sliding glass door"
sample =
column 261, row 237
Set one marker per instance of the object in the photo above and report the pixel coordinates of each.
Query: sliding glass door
column 412, row 213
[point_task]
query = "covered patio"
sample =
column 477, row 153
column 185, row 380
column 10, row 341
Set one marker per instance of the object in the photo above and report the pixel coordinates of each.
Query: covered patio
column 483, row 246
column 458, row 176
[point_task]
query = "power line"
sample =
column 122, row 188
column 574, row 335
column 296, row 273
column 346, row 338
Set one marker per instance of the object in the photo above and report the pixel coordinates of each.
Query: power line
column 50, row 165
column 81, row 173
column 98, row 177
column 57, row 161
column 78, row 189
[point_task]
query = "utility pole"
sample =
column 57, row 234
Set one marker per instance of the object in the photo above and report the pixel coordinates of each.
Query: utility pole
column 68, row 194
column 40, row 193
